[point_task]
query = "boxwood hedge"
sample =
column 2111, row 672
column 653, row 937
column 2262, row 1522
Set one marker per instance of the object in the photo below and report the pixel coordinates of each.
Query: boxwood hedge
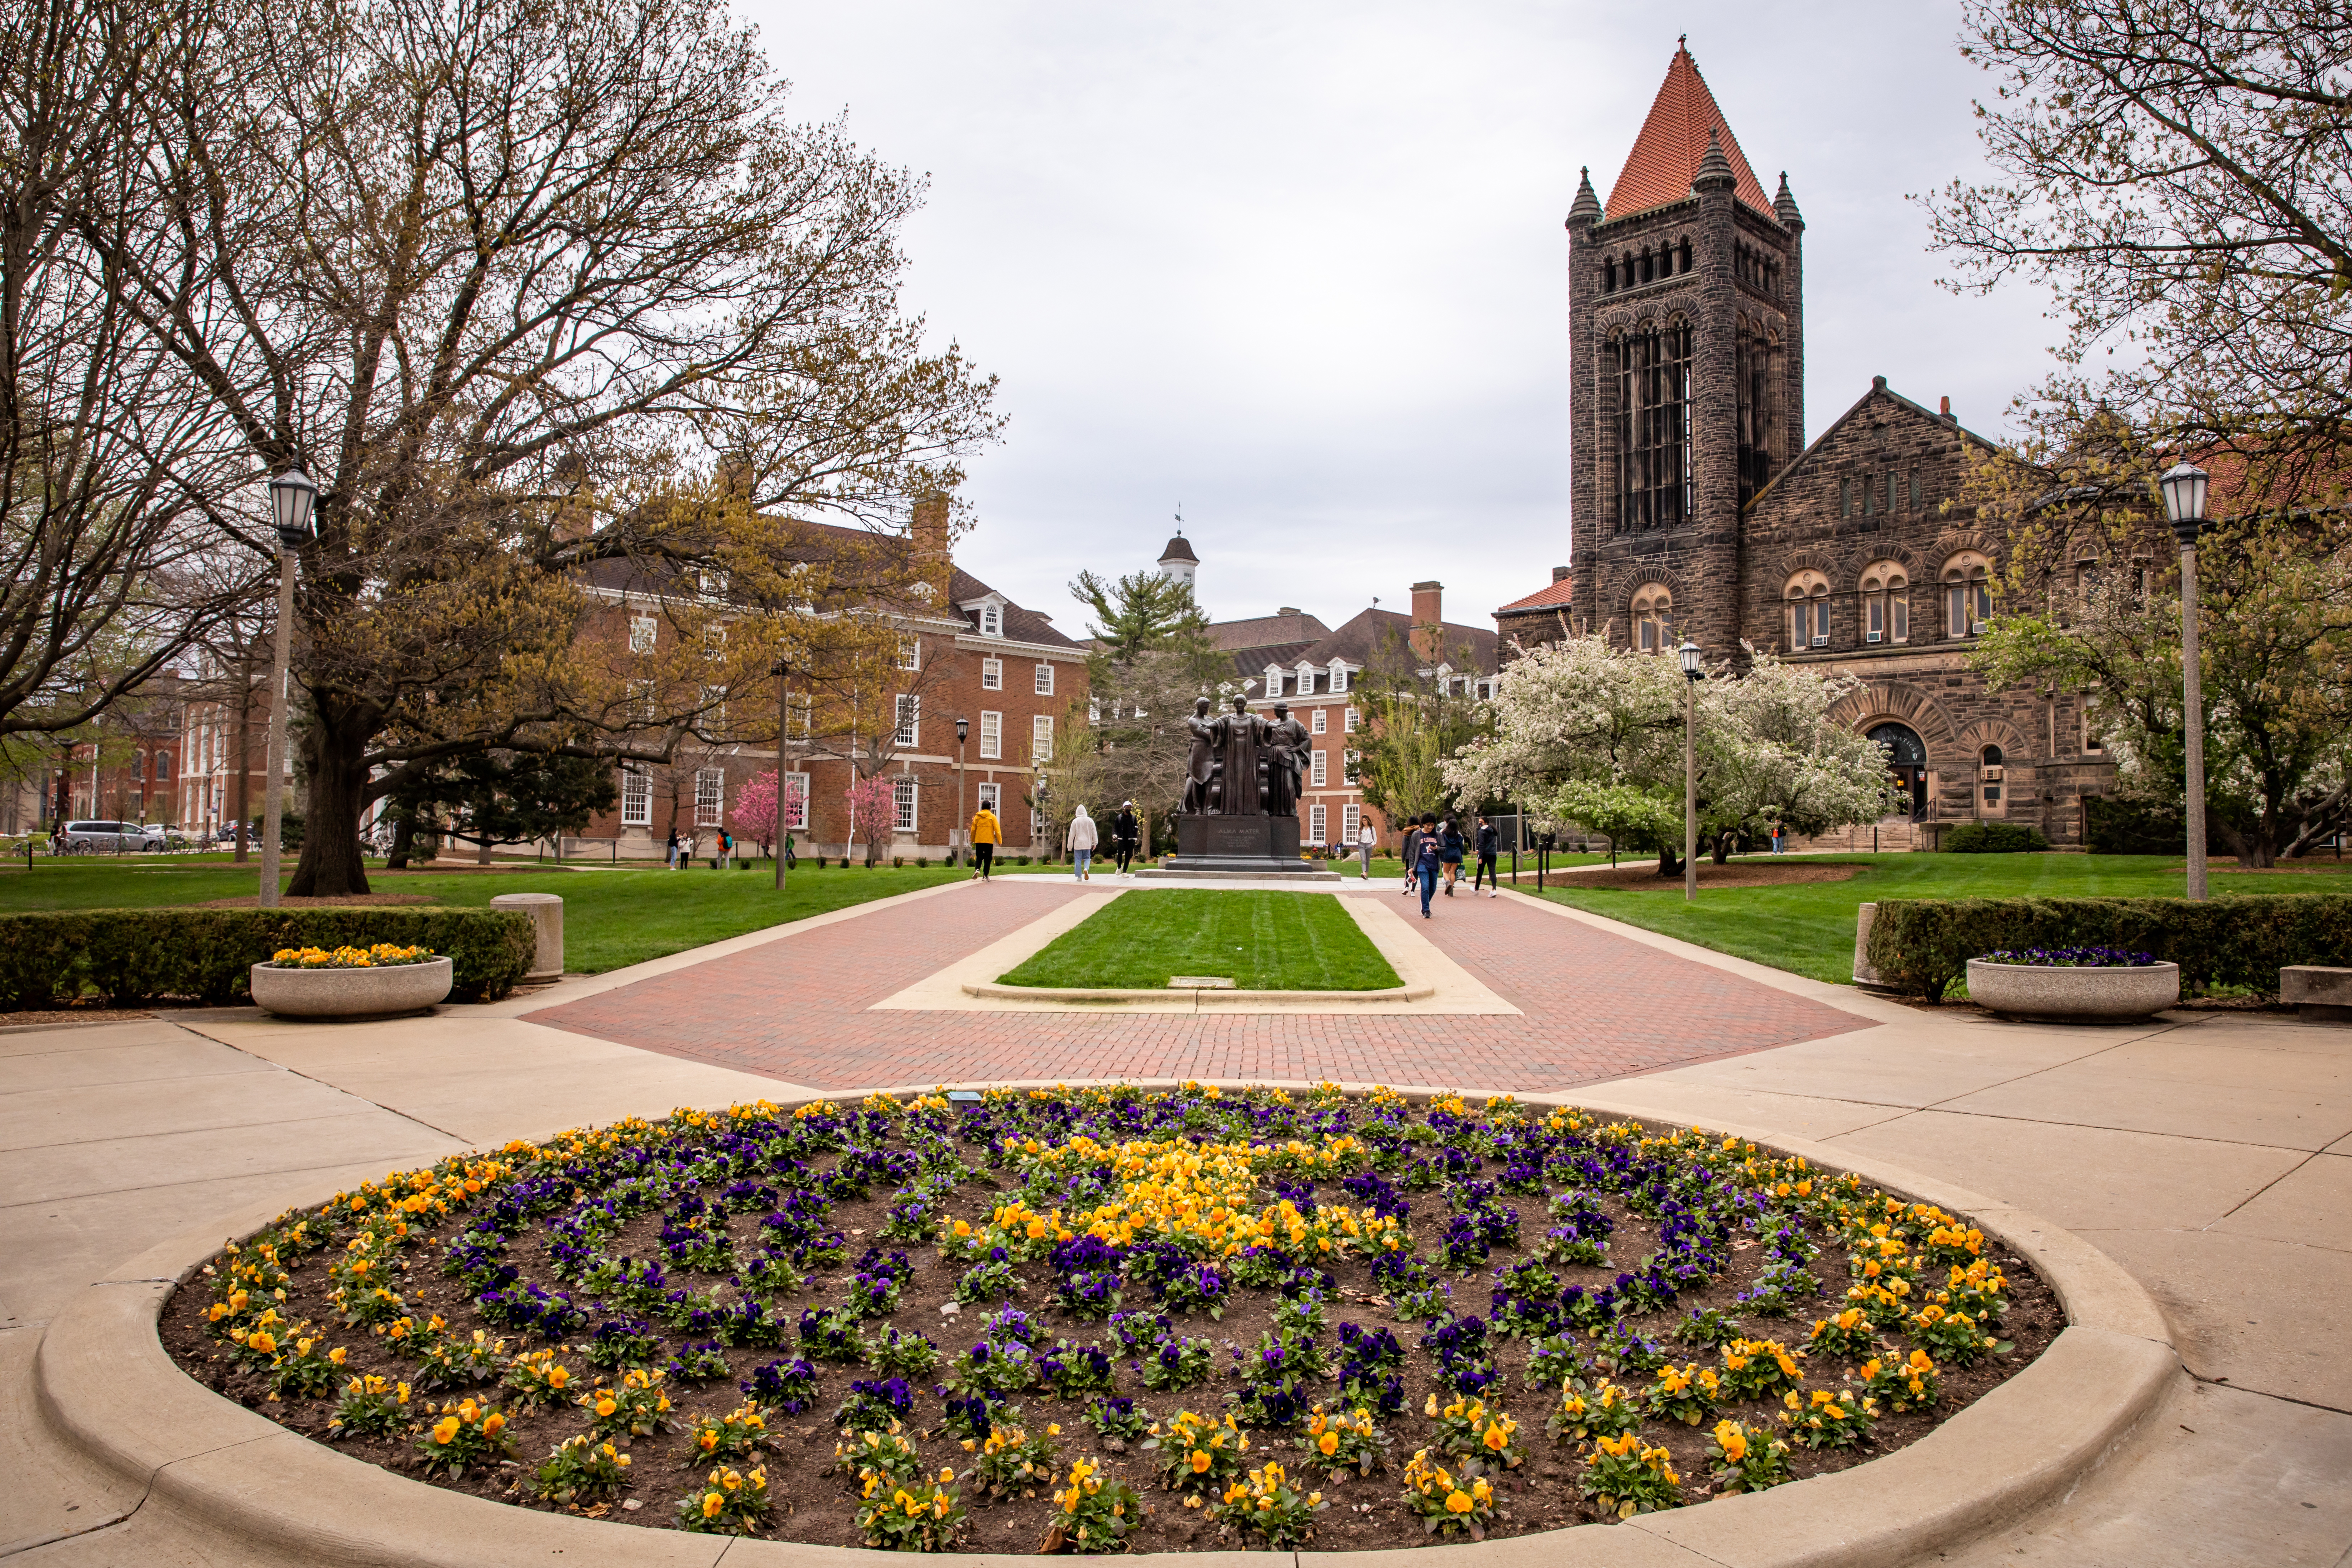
column 1923, row 945
column 133, row 957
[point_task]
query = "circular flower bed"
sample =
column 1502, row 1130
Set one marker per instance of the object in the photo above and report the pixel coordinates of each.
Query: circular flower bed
column 1105, row 1318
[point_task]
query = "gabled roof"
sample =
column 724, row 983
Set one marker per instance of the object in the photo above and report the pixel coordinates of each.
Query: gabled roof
column 1364, row 637
column 1543, row 598
column 1265, row 631
column 1878, row 391
column 1666, row 154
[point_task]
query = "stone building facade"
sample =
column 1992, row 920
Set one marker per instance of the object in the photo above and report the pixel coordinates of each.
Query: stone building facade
column 1701, row 511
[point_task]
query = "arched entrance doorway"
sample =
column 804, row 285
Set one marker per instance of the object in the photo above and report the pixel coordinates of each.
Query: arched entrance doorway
column 1906, row 760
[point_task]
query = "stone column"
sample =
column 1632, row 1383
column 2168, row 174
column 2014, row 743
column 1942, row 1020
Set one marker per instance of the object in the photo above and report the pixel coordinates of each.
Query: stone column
column 546, row 912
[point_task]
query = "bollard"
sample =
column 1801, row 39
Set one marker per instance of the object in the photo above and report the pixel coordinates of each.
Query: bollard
column 546, row 910
column 1865, row 975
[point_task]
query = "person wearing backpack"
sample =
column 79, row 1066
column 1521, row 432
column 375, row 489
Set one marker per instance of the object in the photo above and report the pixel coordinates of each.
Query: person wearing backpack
column 1425, row 864
column 725, row 849
column 1450, row 847
column 1488, row 841
column 1125, row 837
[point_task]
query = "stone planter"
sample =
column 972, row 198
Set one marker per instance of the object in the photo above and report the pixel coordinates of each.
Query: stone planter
column 394, row 989
column 2055, row 993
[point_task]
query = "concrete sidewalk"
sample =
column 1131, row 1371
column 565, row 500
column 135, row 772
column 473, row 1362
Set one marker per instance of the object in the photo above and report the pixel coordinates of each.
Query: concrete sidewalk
column 2210, row 1154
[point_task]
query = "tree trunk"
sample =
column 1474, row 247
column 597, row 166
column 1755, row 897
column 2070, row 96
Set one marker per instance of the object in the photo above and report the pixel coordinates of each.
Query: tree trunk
column 244, row 763
column 335, row 746
column 1669, row 863
column 404, row 843
column 1723, row 842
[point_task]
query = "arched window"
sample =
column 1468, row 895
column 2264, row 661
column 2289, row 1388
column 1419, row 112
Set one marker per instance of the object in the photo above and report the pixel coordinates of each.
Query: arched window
column 1989, row 779
column 1654, row 392
column 1757, row 357
column 1968, row 594
column 1809, row 611
column 1885, row 603
column 1653, row 618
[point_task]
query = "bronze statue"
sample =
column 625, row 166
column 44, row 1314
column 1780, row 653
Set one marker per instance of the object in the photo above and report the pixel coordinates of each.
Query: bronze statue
column 1237, row 736
column 1200, row 763
column 1287, row 744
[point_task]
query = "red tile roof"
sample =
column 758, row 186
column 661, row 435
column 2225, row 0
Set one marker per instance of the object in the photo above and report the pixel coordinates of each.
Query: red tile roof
column 1543, row 598
column 1673, row 139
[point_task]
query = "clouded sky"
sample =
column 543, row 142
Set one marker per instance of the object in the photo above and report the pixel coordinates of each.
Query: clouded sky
column 1300, row 268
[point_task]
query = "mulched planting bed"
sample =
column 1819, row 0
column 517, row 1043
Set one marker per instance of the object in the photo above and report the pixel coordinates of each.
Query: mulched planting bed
column 1082, row 1320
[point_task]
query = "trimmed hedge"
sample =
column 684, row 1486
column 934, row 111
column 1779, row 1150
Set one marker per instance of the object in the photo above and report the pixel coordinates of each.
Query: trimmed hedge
column 1923, row 945
column 2131, row 828
column 1992, row 838
column 133, row 957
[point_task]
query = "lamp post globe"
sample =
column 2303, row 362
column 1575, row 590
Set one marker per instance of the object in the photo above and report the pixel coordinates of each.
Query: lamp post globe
column 2183, row 486
column 293, row 495
column 1691, row 656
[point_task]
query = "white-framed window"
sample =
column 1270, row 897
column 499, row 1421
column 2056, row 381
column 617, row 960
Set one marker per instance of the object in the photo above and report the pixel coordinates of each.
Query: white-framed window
column 802, row 713
column 1653, row 618
column 714, row 583
column 1314, row 772
column 1808, row 594
column 1968, row 594
column 714, row 709
column 1885, row 603
column 1314, row 822
column 710, row 796
column 645, row 634
column 162, row 766
column 1094, row 709
column 1041, row 736
column 910, row 713
column 1352, row 719
column 1338, row 676
column 1321, row 722
column 1351, row 767
column 1352, row 822
column 1989, row 776
column 989, row 795
column 1045, row 678
column 1273, row 680
column 714, row 642
column 992, row 621
column 902, row 801
column 910, row 653
column 1305, row 687
column 796, row 799
column 992, row 736
column 991, row 674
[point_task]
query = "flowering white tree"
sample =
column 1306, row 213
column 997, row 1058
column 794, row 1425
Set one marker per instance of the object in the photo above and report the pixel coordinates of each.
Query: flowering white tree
column 1584, row 733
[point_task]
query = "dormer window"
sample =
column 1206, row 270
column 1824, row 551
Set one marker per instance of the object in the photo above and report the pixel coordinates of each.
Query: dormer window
column 1305, row 680
column 1338, row 676
column 991, row 620
column 1273, row 680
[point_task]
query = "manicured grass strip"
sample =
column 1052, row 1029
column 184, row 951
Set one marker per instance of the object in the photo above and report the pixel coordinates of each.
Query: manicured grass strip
column 1807, row 928
column 611, row 918
column 1262, row 941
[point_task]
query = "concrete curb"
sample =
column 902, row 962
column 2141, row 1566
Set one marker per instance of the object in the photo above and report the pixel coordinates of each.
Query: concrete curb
column 106, row 1386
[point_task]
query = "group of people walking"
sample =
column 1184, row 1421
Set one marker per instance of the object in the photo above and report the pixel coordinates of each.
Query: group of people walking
column 1435, row 849
column 681, row 849
column 1084, row 839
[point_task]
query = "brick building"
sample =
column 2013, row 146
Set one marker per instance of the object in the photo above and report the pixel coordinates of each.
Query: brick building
column 999, row 665
column 1699, row 510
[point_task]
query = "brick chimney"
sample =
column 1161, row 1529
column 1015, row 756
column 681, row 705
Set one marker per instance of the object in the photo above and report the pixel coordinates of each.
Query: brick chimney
column 928, row 534
column 1428, row 618
column 1560, row 573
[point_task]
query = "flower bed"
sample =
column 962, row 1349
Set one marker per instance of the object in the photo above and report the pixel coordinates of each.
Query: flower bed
column 1103, row 1318
column 382, row 955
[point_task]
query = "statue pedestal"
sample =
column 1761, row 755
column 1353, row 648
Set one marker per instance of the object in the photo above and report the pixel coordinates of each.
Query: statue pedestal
column 1238, row 846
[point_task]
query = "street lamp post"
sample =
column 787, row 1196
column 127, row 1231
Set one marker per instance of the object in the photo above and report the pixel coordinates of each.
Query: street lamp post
column 1692, row 675
column 784, row 729
column 2184, row 504
column 1037, row 837
column 293, row 495
column 962, row 855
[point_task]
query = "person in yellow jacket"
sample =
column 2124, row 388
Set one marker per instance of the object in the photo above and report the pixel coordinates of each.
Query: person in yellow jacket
column 987, row 832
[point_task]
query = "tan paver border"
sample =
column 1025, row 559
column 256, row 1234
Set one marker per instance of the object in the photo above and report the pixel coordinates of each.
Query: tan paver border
column 106, row 1385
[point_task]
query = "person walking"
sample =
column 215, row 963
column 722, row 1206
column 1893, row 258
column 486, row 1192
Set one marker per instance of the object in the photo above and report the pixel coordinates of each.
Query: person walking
column 1450, row 847
column 1081, row 840
column 1487, row 841
column 1412, row 834
column 673, row 849
column 1425, row 864
column 987, row 832
column 1125, row 836
column 725, row 849
column 1776, row 839
column 1365, row 839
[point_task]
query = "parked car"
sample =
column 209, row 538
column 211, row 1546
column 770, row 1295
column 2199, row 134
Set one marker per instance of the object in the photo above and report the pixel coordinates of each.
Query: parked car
column 112, row 836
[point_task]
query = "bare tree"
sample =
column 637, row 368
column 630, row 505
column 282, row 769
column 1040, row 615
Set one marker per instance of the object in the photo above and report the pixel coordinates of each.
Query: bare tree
column 2181, row 174
column 109, row 564
column 508, row 277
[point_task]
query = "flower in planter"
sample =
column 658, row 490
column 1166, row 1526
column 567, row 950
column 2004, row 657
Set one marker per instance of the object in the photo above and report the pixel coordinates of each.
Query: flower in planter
column 382, row 955
column 2072, row 958
column 1626, row 1476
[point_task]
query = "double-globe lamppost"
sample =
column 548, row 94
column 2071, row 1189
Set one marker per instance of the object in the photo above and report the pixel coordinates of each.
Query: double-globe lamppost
column 292, row 497
column 1692, row 675
column 2183, row 485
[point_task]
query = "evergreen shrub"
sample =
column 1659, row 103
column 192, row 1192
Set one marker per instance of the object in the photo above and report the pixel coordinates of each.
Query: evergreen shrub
column 2132, row 827
column 1991, row 838
column 133, row 957
column 1923, row 945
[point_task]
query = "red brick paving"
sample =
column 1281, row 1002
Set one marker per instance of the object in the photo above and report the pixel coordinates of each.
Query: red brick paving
column 1595, row 1006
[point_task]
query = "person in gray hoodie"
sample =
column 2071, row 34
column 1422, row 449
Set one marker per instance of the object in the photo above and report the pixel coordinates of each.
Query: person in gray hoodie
column 1081, row 839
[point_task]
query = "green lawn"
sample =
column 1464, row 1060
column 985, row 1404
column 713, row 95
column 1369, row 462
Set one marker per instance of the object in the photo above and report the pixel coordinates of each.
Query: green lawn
column 611, row 918
column 1262, row 941
column 1807, row 927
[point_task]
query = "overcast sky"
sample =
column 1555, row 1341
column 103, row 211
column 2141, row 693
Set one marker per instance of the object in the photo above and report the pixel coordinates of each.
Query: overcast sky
column 1301, row 268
